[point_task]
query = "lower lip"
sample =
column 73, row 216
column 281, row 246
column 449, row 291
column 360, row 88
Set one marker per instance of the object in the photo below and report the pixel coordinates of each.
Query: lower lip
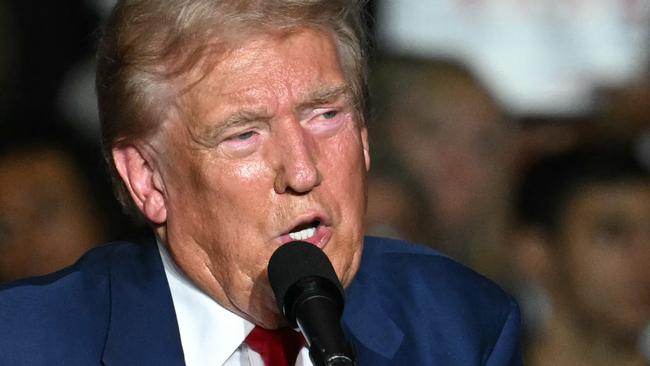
column 320, row 238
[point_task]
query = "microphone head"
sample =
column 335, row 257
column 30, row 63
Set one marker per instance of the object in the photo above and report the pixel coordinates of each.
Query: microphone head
column 297, row 268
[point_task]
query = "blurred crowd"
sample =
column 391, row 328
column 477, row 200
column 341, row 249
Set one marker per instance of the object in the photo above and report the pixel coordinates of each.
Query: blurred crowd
column 55, row 198
column 552, row 204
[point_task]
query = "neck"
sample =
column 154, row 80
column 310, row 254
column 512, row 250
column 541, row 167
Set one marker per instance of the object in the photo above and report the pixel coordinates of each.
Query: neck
column 565, row 344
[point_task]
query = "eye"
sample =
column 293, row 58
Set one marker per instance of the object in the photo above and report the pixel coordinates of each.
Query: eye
column 241, row 144
column 326, row 121
column 240, row 137
column 614, row 231
column 244, row 136
column 330, row 114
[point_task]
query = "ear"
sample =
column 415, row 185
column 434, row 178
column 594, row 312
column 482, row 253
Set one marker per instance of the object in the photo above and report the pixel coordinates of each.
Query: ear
column 366, row 148
column 142, row 180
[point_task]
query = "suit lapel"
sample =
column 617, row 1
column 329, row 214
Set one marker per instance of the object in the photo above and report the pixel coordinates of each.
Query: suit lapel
column 142, row 328
column 376, row 336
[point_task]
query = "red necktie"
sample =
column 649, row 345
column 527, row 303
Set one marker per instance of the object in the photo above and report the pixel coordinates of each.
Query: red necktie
column 277, row 347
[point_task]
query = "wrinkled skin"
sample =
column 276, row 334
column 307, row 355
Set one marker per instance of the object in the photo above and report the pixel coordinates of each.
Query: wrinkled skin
column 267, row 141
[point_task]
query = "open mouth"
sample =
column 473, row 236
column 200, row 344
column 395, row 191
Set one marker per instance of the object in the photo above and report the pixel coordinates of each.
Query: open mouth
column 304, row 231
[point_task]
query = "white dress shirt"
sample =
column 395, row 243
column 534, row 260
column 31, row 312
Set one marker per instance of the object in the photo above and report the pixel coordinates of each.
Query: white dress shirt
column 210, row 334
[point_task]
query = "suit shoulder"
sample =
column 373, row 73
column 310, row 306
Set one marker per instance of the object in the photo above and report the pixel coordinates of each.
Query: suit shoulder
column 417, row 265
column 64, row 289
column 440, row 309
column 92, row 265
column 419, row 273
column 59, row 312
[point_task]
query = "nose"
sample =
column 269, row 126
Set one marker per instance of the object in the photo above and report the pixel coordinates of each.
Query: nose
column 295, row 160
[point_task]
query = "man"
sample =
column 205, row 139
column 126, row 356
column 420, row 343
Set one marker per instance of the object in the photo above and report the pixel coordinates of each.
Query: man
column 236, row 127
column 583, row 236
column 48, row 215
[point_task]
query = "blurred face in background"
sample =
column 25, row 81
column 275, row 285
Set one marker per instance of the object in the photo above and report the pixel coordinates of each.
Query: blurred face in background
column 47, row 215
column 393, row 210
column 453, row 138
column 600, row 268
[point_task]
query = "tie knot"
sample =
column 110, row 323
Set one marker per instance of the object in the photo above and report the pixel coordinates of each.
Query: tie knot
column 277, row 347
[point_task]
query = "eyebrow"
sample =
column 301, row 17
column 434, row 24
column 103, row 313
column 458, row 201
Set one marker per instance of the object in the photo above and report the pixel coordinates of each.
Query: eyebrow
column 325, row 95
column 236, row 119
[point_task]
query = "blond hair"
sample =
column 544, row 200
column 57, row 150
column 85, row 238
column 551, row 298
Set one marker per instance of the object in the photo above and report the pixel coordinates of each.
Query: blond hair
column 148, row 43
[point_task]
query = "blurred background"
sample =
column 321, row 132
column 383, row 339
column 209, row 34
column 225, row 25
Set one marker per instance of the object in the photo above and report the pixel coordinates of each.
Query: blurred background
column 512, row 135
column 56, row 200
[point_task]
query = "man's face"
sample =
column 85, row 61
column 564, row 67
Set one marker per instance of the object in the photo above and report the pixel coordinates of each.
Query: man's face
column 603, row 275
column 273, row 146
column 47, row 217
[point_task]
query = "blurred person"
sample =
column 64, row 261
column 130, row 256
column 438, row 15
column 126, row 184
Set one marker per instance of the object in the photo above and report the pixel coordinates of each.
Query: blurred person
column 582, row 234
column 235, row 128
column 396, row 204
column 451, row 135
column 624, row 112
column 628, row 104
column 51, row 206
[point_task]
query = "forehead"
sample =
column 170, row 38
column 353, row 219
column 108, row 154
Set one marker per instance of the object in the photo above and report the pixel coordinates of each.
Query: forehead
column 624, row 199
column 267, row 69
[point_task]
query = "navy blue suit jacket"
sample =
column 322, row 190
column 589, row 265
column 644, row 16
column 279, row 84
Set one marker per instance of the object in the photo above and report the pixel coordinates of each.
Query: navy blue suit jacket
column 408, row 305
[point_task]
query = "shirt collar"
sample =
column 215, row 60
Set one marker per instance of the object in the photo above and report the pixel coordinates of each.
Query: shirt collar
column 210, row 333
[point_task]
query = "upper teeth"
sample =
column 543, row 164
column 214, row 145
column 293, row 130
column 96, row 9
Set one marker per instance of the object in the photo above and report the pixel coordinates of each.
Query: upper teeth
column 303, row 234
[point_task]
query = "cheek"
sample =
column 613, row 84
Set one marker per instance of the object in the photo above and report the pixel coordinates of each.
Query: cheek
column 346, row 169
column 226, row 183
column 344, row 177
column 249, row 192
column 599, row 278
column 351, row 150
column 218, row 201
column 592, row 280
column 239, row 197
column 248, row 172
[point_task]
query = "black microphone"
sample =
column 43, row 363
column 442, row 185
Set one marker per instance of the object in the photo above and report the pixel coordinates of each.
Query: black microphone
column 310, row 296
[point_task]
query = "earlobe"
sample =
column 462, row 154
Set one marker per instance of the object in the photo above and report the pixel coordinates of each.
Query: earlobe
column 143, row 182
